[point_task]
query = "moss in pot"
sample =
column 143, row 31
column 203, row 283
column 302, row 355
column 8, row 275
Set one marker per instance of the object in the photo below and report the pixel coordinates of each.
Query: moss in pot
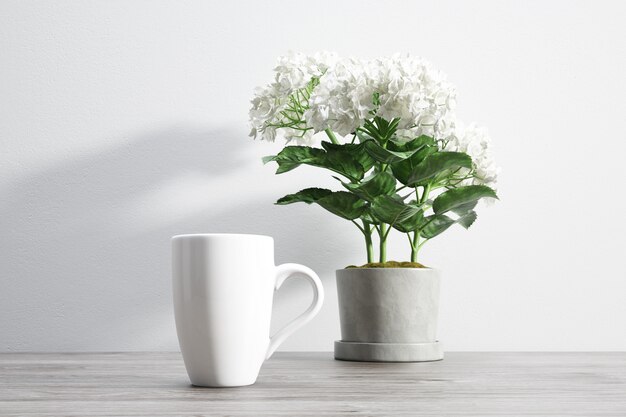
column 388, row 264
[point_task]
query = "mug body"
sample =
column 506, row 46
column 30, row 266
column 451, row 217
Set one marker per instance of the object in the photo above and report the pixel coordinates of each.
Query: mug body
column 223, row 288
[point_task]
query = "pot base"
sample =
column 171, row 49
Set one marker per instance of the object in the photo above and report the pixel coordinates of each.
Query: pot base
column 388, row 352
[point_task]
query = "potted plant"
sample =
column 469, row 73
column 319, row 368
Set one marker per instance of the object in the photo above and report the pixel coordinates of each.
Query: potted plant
column 403, row 163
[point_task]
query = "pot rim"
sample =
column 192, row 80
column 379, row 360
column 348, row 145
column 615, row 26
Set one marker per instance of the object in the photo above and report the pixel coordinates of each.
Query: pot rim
column 220, row 236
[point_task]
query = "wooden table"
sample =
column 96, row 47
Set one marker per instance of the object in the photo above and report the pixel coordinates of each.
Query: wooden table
column 313, row 384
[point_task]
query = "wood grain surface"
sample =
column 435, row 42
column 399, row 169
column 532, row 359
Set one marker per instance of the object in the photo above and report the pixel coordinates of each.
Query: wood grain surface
column 313, row 384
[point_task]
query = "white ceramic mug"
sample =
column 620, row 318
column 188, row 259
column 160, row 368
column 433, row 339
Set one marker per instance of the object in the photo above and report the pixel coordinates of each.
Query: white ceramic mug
column 223, row 287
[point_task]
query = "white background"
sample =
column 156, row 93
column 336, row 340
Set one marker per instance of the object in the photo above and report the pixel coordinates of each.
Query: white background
column 124, row 123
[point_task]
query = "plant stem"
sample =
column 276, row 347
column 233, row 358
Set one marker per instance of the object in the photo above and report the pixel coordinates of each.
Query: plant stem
column 383, row 243
column 383, row 167
column 367, row 231
column 425, row 193
column 415, row 246
column 331, row 136
column 359, row 227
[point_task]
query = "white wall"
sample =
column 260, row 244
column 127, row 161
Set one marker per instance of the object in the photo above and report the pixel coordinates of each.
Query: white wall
column 123, row 123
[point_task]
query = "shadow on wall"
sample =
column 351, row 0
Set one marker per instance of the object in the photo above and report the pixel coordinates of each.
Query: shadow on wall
column 85, row 245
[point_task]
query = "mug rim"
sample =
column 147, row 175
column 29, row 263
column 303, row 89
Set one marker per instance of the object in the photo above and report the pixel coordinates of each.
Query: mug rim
column 210, row 235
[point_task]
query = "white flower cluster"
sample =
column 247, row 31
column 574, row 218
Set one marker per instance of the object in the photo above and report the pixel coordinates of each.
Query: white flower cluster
column 408, row 88
column 475, row 141
column 351, row 91
column 292, row 73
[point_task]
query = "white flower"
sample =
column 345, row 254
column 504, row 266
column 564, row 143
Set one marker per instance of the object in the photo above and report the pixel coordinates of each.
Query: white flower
column 408, row 89
column 293, row 72
column 342, row 100
column 412, row 90
column 475, row 141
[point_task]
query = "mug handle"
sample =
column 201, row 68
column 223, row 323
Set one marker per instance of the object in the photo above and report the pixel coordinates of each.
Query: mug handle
column 283, row 272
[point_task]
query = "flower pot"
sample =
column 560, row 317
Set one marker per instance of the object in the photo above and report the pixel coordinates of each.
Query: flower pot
column 388, row 314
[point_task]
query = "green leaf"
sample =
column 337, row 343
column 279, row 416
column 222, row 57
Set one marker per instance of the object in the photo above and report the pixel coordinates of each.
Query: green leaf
column 414, row 222
column 424, row 146
column 344, row 163
column 293, row 156
column 268, row 158
column 377, row 184
column 357, row 151
column 438, row 164
column 467, row 219
column 385, row 156
column 340, row 203
column 392, row 210
column 308, row 195
column 363, row 136
column 343, row 204
column 340, row 161
column 464, row 208
column 436, row 224
column 461, row 197
column 411, row 145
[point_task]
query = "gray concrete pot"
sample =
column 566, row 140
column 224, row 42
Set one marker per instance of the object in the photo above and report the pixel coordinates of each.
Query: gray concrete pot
column 388, row 314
